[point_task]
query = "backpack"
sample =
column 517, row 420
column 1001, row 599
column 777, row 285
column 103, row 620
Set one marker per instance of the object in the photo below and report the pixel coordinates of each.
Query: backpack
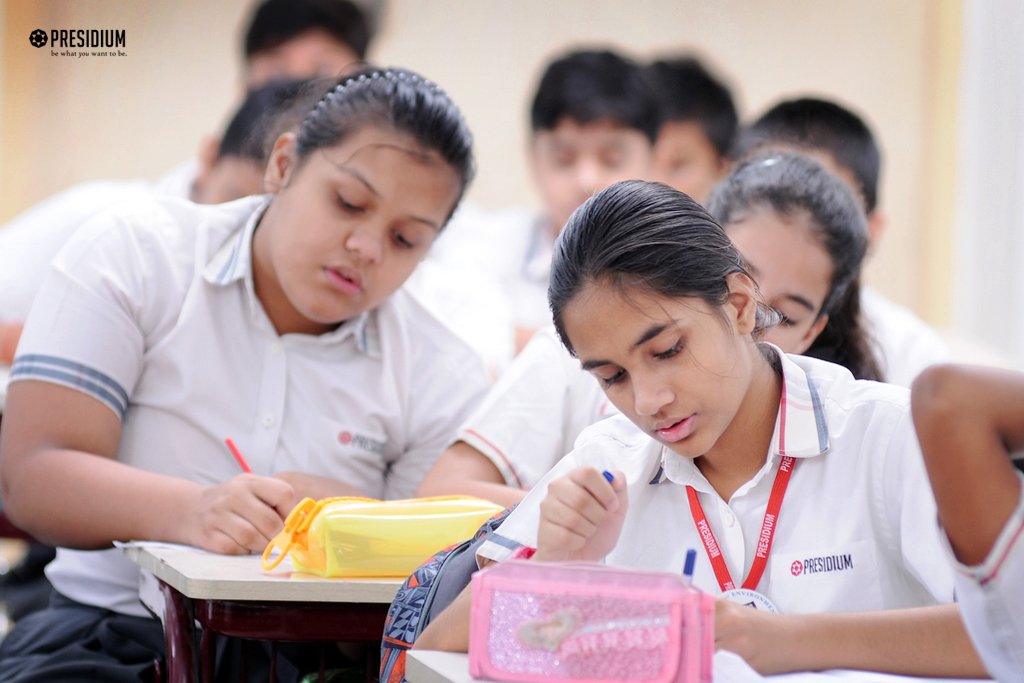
column 426, row 593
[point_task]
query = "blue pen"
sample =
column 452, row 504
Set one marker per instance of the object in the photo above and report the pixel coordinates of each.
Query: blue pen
column 688, row 565
column 608, row 476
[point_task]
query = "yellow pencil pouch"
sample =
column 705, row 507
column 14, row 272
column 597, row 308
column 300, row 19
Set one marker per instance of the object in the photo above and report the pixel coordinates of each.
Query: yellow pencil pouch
column 353, row 537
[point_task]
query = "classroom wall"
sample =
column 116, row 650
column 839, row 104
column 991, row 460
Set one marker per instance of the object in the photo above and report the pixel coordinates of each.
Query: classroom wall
column 64, row 120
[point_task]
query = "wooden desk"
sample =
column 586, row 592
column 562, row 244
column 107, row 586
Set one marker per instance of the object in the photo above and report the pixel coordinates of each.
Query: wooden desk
column 448, row 667
column 233, row 596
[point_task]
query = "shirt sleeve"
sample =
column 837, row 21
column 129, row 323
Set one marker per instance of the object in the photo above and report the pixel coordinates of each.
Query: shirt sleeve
column 85, row 328
column 1009, row 542
column 443, row 395
column 520, row 426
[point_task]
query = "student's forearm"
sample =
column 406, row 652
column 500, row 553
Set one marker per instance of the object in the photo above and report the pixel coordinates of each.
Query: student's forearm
column 496, row 493
column 927, row 641
column 79, row 500
column 967, row 419
column 450, row 629
column 463, row 470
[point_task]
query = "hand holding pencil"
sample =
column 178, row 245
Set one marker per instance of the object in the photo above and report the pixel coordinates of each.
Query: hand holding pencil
column 241, row 514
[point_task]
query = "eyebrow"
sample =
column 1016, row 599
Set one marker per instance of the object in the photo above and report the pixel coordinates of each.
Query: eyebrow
column 649, row 334
column 361, row 178
column 796, row 298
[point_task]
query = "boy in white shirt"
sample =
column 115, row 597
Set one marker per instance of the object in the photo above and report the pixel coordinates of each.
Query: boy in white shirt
column 593, row 122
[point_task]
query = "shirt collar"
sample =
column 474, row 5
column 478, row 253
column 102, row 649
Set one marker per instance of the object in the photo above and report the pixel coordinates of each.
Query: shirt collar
column 232, row 264
column 801, row 430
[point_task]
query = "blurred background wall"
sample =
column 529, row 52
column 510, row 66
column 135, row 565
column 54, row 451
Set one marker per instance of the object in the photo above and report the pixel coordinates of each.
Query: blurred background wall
column 899, row 64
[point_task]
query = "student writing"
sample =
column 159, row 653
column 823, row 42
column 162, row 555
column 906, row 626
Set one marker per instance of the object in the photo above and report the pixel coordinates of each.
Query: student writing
column 278, row 320
column 802, row 234
column 650, row 295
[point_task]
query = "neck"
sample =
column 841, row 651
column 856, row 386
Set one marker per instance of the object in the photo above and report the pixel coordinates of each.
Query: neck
column 743, row 449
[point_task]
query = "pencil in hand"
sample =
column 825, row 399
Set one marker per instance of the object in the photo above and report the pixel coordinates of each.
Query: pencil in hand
column 238, row 455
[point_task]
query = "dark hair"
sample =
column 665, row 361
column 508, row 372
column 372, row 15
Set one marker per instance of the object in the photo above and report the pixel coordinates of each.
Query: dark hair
column 396, row 99
column 797, row 187
column 820, row 125
column 275, row 22
column 642, row 234
column 589, row 85
column 688, row 92
column 265, row 113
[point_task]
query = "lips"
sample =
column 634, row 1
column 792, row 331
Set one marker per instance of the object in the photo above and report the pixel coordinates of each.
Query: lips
column 344, row 279
column 676, row 431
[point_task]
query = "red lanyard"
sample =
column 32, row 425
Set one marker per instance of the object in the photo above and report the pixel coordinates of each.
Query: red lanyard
column 764, row 542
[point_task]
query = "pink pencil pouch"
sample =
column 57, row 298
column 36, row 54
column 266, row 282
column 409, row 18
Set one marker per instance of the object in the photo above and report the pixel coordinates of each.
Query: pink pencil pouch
column 549, row 622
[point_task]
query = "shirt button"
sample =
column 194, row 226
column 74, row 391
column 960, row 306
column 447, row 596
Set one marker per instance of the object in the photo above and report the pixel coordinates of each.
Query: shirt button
column 276, row 347
column 730, row 519
column 268, row 420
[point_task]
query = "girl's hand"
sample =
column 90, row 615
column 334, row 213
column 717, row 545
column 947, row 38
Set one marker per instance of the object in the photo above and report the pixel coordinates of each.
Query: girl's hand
column 581, row 516
column 759, row 637
column 240, row 515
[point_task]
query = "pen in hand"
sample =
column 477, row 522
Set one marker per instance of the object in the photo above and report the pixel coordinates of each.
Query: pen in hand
column 238, row 455
column 689, row 564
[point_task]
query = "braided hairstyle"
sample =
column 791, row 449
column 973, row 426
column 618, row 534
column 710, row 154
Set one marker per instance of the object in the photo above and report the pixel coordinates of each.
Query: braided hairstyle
column 395, row 99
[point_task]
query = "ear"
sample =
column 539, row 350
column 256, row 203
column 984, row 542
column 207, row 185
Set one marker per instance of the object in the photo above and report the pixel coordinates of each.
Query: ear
column 741, row 304
column 878, row 221
column 811, row 334
column 281, row 164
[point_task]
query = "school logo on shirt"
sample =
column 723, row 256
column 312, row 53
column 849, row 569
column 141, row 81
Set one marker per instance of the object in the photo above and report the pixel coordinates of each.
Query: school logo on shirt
column 347, row 438
column 822, row 565
column 80, row 42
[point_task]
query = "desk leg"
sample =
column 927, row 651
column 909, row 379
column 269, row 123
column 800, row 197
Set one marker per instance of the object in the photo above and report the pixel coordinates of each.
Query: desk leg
column 179, row 636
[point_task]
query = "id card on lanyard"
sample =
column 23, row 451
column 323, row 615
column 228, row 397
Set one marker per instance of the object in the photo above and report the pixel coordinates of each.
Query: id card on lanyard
column 747, row 594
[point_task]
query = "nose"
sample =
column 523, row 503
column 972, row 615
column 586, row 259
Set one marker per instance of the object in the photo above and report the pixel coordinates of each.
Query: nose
column 365, row 244
column 650, row 394
column 589, row 177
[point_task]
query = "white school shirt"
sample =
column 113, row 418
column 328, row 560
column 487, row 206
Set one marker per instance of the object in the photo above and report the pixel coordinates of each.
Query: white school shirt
column 991, row 597
column 856, row 530
column 905, row 344
column 532, row 416
column 151, row 310
column 489, row 277
column 30, row 240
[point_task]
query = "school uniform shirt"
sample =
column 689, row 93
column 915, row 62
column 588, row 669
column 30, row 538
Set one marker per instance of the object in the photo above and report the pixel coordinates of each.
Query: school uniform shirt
column 532, row 416
column 905, row 344
column 490, row 278
column 856, row 530
column 991, row 597
column 30, row 240
column 151, row 310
